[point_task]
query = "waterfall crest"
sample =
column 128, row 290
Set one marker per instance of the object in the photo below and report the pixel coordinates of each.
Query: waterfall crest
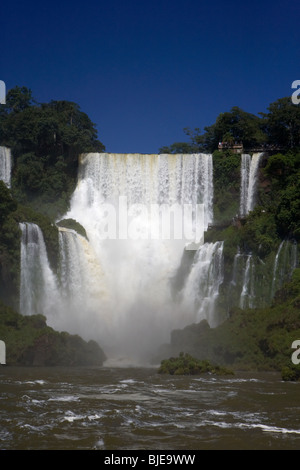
column 158, row 182
column 5, row 165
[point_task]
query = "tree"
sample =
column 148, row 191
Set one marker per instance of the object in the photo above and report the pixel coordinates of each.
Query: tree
column 194, row 146
column 241, row 126
column 18, row 99
column 7, row 204
column 282, row 123
column 236, row 125
column 288, row 210
column 46, row 140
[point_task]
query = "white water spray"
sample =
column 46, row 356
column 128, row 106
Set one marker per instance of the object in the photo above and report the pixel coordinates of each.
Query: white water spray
column 134, row 311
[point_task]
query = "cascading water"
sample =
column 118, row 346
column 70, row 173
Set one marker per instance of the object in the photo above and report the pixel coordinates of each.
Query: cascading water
column 38, row 289
column 249, row 173
column 245, row 171
column 139, row 213
column 5, row 165
column 255, row 160
column 80, row 281
column 202, row 286
column 246, row 299
column 284, row 264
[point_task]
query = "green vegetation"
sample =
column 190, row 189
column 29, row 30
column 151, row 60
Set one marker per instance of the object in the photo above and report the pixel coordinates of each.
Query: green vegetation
column 185, row 364
column 290, row 373
column 46, row 140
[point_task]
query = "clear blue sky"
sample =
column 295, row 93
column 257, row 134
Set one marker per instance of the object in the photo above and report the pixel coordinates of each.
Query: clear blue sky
column 144, row 70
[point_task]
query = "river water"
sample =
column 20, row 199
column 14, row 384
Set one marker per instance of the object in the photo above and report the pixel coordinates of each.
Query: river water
column 137, row 408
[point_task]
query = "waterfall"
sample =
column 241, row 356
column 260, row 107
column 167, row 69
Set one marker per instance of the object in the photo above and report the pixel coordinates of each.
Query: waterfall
column 202, row 286
column 245, row 171
column 149, row 180
column 140, row 213
column 72, row 265
column 38, row 286
column 5, row 165
column 248, row 292
column 249, row 174
column 81, row 282
column 253, row 180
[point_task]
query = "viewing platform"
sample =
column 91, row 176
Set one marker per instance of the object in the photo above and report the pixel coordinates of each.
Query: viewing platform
column 239, row 148
column 236, row 148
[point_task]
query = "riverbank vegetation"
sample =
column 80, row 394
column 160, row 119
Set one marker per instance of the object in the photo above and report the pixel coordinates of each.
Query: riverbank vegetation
column 185, row 364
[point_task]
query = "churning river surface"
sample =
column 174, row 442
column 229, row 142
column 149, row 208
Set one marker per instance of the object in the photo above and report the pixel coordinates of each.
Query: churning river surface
column 137, row 408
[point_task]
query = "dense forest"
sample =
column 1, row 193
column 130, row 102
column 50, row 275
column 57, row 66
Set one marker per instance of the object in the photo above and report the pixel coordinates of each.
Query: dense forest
column 46, row 140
